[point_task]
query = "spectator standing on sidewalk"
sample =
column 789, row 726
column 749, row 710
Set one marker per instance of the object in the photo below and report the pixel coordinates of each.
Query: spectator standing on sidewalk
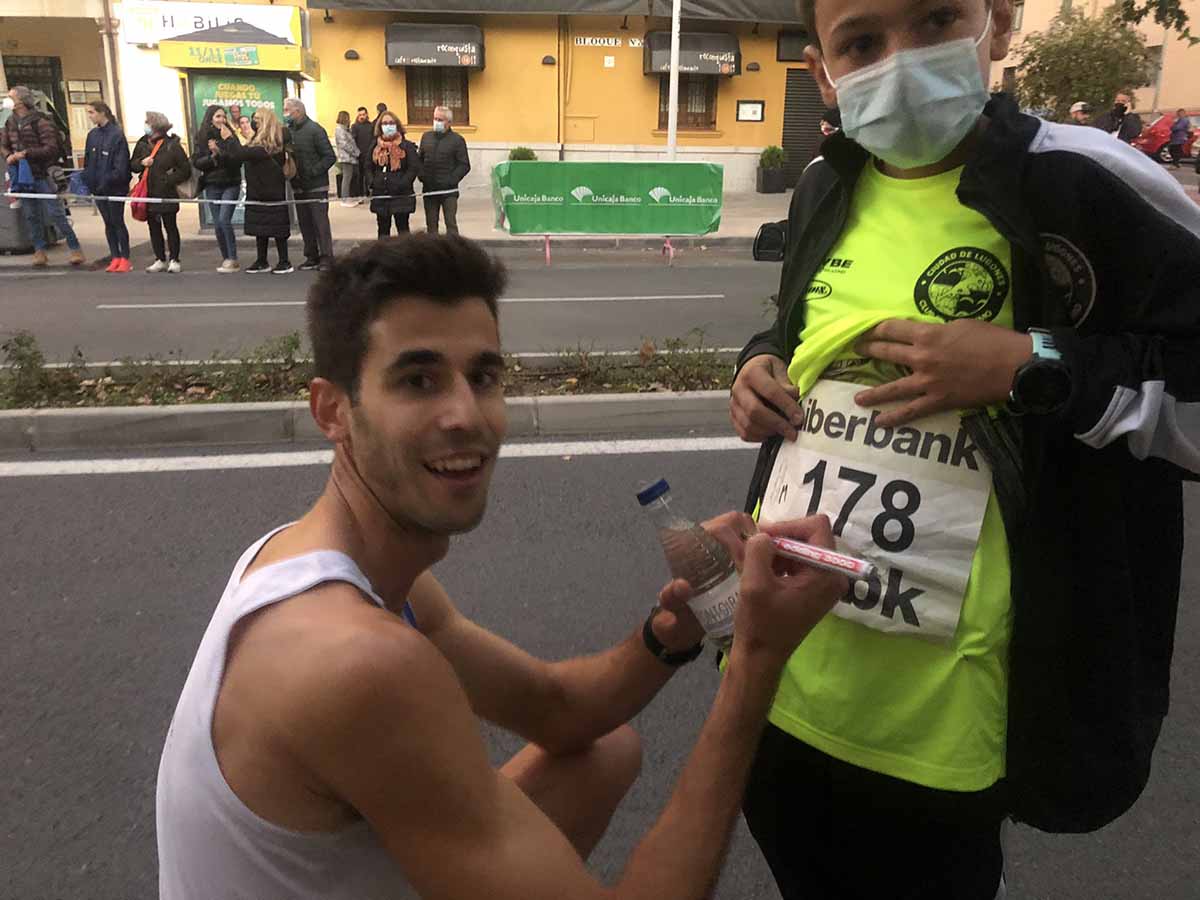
column 1081, row 113
column 245, row 130
column 1181, row 130
column 444, row 163
column 264, row 159
column 161, row 154
column 30, row 135
column 220, row 179
column 394, row 165
column 106, row 173
column 363, row 132
column 348, row 155
column 1121, row 121
column 314, row 158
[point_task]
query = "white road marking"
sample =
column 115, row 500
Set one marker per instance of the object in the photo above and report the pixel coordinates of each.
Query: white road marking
column 150, row 465
column 232, row 304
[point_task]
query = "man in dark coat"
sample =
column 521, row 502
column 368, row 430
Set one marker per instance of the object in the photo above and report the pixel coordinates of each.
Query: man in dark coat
column 444, row 163
column 363, row 133
column 314, row 158
column 29, row 135
column 1120, row 121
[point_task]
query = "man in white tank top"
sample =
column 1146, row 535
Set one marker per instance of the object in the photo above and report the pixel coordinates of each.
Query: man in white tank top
column 326, row 743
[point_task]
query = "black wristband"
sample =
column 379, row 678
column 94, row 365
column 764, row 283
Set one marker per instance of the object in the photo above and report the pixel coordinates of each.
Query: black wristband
column 659, row 652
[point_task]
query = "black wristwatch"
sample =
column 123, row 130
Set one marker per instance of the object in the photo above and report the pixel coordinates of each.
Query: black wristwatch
column 656, row 648
column 1042, row 386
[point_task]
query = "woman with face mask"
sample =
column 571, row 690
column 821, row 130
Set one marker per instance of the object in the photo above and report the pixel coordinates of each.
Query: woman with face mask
column 973, row 334
column 161, row 156
column 394, row 167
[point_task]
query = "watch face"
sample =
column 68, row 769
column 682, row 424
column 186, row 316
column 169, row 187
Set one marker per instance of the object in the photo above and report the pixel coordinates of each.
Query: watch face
column 1043, row 387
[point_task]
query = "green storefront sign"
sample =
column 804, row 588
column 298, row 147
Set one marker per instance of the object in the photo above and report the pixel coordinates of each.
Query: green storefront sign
column 607, row 198
column 249, row 90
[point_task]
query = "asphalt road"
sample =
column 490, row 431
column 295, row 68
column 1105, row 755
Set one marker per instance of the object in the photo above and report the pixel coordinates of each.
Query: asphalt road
column 595, row 299
column 110, row 581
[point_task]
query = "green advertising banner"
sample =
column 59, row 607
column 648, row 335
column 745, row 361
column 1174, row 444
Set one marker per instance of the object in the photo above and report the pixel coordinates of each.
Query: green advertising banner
column 607, row 197
column 249, row 90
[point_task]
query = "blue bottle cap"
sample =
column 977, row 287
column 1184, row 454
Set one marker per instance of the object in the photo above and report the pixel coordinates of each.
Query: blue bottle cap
column 648, row 495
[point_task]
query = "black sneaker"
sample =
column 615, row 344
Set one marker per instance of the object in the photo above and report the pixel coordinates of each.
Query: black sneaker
column 309, row 265
column 259, row 266
column 283, row 268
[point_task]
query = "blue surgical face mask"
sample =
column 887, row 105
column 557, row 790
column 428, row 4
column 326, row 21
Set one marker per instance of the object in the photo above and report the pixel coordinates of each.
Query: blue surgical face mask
column 439, row 126
column 287, row 120
column 148, row 129
column 388, row 129
column 913, row 108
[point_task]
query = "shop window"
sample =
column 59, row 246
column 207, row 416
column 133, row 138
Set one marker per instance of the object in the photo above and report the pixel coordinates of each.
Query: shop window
column 697, row 102
column 1018, row 16
column 432, row 86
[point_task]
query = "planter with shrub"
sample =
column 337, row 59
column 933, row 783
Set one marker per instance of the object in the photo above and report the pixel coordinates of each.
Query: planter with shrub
column 771, row 177
column 522, row 154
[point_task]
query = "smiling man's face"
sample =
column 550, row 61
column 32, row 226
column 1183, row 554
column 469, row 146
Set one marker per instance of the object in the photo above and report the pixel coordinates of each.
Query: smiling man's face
column 429, row 416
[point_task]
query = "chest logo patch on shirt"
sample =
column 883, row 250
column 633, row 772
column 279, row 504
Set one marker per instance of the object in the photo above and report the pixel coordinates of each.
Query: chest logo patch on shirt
column 1071, row 275
column 963, row 283
column 818, row 290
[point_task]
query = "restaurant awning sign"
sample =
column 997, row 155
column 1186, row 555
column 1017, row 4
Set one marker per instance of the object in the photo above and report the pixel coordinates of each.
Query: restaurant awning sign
column 429, row 44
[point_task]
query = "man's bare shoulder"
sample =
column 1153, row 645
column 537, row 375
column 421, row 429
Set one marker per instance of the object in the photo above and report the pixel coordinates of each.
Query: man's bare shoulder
column 331, row 651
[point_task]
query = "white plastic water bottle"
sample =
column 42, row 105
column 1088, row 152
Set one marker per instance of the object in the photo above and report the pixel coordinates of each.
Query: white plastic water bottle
column 699, row 558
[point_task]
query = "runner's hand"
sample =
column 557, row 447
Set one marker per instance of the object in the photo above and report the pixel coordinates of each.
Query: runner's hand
column 762, row 383
column 781, row 600
column 676, row 626
column 964, row 364
column 148, row 161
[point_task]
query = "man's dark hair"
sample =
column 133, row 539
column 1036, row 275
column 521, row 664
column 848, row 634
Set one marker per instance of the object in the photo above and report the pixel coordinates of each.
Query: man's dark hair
column 361, row 109
column 347, row 299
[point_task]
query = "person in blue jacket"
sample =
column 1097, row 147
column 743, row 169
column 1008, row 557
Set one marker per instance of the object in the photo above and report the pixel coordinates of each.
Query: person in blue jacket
column 106, row 173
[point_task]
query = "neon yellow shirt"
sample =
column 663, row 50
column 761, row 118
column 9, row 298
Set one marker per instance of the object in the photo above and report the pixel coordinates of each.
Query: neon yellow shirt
column 930, row 713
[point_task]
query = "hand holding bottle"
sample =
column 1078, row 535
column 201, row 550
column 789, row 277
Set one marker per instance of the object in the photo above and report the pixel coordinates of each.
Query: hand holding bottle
column 677, row 626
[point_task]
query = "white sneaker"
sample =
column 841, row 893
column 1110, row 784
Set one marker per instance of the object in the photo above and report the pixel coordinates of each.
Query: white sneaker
column 227, row 266
column 157, row 266
column 174, row 267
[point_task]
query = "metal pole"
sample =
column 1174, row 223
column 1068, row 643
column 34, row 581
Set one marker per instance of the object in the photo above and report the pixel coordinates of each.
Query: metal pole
column 673, row 94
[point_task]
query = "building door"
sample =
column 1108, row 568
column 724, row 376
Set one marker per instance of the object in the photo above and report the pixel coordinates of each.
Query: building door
column 39, row 73
column 802, row 111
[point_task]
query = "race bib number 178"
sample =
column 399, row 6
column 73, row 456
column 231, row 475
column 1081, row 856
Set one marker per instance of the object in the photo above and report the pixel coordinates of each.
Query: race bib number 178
column 909, row 499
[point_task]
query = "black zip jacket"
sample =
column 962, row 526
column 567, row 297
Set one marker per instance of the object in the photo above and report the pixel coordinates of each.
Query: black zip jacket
column 220, row 169
column 1106, row 254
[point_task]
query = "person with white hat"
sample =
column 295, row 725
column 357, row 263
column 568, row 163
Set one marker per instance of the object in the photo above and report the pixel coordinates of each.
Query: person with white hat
column 1081, row 113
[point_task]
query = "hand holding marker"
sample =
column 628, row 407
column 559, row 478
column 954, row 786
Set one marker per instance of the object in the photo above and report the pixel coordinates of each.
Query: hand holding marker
column 819, row 558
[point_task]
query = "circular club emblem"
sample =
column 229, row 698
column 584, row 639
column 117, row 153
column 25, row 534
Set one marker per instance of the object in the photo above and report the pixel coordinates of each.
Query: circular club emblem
column 963, row 283
column 1071, row 276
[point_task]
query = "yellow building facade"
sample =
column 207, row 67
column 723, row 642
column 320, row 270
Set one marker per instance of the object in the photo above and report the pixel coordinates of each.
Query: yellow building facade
column 576, row 87
column 568, row 85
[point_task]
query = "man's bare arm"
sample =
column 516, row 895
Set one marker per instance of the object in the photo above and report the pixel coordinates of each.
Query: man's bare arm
column 391, row 733
column 560, row 706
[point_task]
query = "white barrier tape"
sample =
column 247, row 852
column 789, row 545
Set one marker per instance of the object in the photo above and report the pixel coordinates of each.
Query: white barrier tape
column 199, row 200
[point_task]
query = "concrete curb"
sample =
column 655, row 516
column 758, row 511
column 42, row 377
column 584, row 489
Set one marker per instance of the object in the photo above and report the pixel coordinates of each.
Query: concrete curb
column 196, row 425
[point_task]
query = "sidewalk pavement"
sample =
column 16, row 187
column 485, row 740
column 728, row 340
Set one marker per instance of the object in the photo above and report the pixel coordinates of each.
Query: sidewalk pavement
column 741, row 217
